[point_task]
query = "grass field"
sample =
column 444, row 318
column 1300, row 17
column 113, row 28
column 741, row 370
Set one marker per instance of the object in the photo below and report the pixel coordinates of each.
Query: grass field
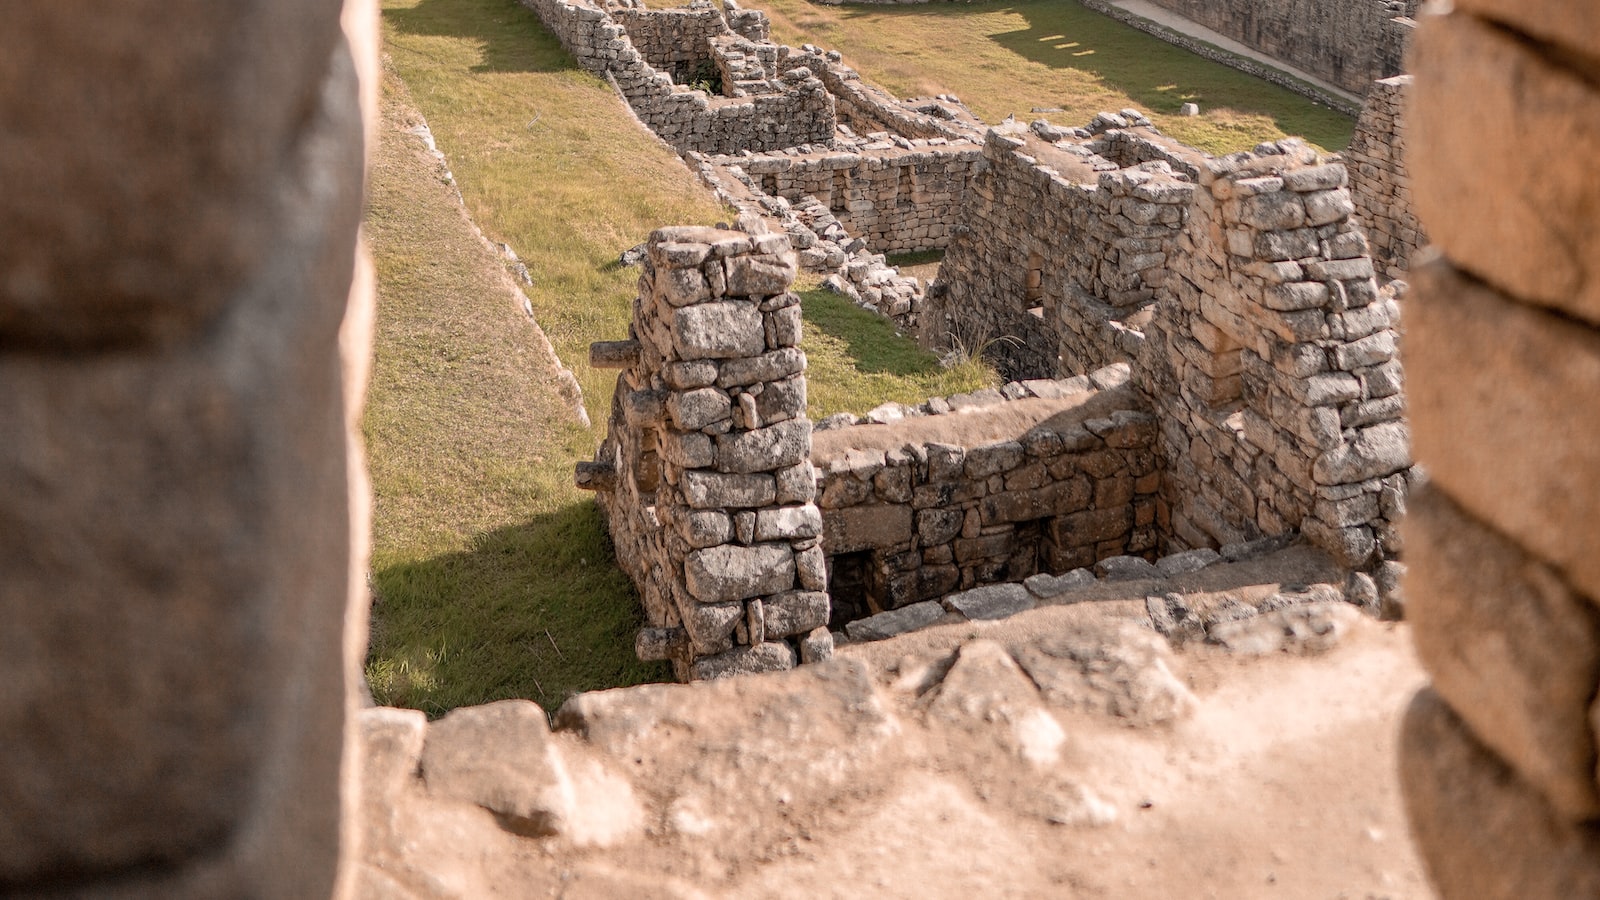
column 1004, row 58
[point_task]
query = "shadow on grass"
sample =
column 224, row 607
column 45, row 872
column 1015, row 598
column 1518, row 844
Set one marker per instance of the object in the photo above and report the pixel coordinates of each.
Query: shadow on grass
column 1063, row 34
column 537, row 610
column 511, row 36
column 869, row 338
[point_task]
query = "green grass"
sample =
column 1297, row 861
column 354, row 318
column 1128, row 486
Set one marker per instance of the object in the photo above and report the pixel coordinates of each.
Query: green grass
column 1005, row 58
column 855, row 361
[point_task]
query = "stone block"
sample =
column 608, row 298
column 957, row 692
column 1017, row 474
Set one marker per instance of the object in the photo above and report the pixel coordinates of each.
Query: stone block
column 1183, row 563
column 1518, row 384
column 788, row 523
column 729, row 572
column 765, row 449
column 1055, row 499
column 1482, row 831
column 709, row 490
column 795, row 612
column 1510, row 646
column 992, row 601
column 725, row 330
column 500, row 756
column 896, row 621
column 696, row 409
column 1123, row 568
column 771, row 366
column 1529, row 229
column 991, row 459
column 760, row 275
column 1048, row 586
column 817, row 646
column 872, row 526
column 938, row 526
column 1376, row 451
column 1090, row 527
column 769, row 656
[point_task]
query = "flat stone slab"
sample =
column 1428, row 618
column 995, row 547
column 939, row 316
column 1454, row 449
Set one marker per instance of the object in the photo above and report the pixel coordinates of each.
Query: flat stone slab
column 1187, row 561
column 992, row 601
column 895, row 621
column 1046, row 586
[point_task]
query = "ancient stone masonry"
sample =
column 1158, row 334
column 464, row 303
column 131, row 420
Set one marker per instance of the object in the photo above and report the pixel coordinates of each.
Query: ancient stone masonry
column 705, row 475
column 1498, row 758
column 1379, row 183
column 1347, row 42
column 974, row 490
column 1061, row 249
column 785, row 110
column 1271, row 362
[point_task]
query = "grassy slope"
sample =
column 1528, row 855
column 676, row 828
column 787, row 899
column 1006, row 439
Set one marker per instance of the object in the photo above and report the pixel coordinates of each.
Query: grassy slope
column 1009, row 57
column 492, row 574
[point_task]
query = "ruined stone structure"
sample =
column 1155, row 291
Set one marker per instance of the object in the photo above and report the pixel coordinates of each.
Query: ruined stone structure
column 183, row 513
column 1379, row 182
column 1350, row 43
column 1503, row 352
column 705, row 474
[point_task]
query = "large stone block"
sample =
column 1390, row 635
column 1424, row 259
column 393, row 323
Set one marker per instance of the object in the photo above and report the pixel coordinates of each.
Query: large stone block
column 1572, row 24
column 730, row 572
column 1510, row 646
column 765, row 449
column 1484, row 101
column 1492, row 381
column 725, row 330
column 1483, row 832
column 866, row 527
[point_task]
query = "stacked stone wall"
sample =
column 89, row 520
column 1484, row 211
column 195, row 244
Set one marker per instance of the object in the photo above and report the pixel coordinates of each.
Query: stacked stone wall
column 1350, row 43
column 1271, row 362
column 676, row 41
column 924, row 518
column 797, row 109
column 868, row 109
column 1498, row 756
column 1379, row 182
column 1056, row 250
column 705, row 475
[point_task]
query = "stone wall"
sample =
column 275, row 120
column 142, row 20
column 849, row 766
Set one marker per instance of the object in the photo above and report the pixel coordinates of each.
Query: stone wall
column 897, row 199
column 794, row 110
column 1503, row 354
column 1051, row 476
column 1271, row 362
column 867, row 108
column 676, row 41
column 705, row 475
column 1057, row 248
column 1379, row 183
column 1347, row 42
column 184, row 504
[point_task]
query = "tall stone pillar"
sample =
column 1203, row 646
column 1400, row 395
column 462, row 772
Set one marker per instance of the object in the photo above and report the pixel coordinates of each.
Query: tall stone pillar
column 182, row 190
column 1502, row 355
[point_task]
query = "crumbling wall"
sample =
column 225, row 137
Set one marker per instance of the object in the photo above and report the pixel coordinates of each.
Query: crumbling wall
column 1059, row 246
column 796, row 109
column 1503, row 359
column 705, row 475
column 1271, row 363
column 896, row 199
column 867, row 108
column 1056, row 476
column 1379, row 184
column 1347, row 42
column 676, row 40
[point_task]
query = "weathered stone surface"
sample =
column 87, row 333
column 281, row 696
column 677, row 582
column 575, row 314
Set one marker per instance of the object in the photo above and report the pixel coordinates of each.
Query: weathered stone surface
column 1509, row 645
column 175, row 265
column 1377, row 451
column 1048, row 587
column 1301, row 628
column 730, row 572
column 1483, row 832
column 864, row 527
column 1526, row 231
column 694, row 410
column 773, row 366
column 986, row 690
column 817, row 646
column 770, row 656
column 765, row 449
column 993, row 601
column 1183, row 563
column 1119, row 568
column 704, row 489
column 760, row 275
column 795, row 612
column 391, row 752
column 724, row 330
column 788, row 523
column 1118, row 669
column 895, row 621
column 500, row 756
column 1477, row 361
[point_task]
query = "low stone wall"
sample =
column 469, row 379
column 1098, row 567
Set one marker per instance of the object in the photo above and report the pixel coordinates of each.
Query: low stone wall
column 1047, row 477
column 867, row 109
column 795, row 110
column 1503, row 358
column 676, row 40
column 704, row 476
column 1379, row 182
column 1271, row 362
column 1346, row 42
